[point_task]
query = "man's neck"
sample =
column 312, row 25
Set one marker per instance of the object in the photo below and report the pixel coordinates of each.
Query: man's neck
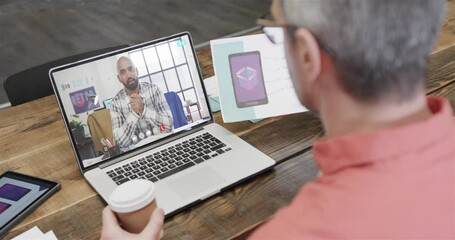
column 342, row 115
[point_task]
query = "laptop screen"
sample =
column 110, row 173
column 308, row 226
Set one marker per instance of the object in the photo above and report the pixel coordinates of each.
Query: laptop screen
column 120, row 101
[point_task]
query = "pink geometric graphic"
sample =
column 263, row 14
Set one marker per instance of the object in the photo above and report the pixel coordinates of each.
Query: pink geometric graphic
column 247, row 78
column 4, row 206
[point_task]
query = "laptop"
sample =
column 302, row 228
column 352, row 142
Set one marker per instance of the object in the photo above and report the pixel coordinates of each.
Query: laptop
column 157, row 126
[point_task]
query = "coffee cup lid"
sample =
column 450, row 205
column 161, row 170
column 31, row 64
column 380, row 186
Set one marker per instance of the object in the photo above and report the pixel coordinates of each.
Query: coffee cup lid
column 132, row 195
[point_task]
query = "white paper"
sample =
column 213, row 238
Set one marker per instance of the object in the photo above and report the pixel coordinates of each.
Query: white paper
column 31, row 234
column 36, row 234
column 211, row 86
column 281, row 97
column 50, row 236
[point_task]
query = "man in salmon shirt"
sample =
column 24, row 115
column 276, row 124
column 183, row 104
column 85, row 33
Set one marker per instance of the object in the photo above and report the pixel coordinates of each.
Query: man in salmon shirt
column 388, row 157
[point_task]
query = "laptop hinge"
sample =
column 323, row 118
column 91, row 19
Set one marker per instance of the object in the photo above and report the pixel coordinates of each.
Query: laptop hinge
column 148, row 148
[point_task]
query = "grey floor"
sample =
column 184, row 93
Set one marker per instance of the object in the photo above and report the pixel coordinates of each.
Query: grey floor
column 34, row 32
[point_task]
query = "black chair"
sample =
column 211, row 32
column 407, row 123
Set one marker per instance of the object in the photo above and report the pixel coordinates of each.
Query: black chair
column 34, row 83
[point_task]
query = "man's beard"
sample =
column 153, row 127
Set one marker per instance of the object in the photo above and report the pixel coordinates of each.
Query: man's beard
column 131, row 85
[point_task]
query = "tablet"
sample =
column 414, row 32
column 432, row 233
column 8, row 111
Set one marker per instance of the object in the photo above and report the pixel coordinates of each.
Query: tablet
column 19, row 195
column 247, row 79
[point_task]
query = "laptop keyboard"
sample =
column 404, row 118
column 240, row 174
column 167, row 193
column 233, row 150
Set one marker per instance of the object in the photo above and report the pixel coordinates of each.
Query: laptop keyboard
column 169, row 161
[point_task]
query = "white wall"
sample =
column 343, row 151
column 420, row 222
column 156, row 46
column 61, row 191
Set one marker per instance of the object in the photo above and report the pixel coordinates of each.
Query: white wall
column 102, row 75
column 109, row 85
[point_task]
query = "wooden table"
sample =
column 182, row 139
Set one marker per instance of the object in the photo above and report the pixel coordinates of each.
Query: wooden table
column 33, row 141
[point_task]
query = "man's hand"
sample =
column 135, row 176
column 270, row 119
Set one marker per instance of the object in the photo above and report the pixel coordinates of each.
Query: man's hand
column 136, row 103
column 112, row 230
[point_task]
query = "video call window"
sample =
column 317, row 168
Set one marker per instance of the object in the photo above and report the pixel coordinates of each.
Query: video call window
column 166, row 65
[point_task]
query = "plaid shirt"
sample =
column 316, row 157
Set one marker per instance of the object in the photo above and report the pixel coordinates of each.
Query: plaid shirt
column 126, row 123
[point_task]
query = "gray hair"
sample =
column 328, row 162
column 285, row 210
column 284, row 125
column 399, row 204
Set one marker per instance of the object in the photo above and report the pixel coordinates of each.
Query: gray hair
column 380, row 47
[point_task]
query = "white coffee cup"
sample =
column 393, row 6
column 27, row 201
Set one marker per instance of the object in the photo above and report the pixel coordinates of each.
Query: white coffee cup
column 134, row 202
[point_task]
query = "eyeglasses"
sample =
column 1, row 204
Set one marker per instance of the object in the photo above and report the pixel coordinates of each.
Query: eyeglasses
column 273, row 30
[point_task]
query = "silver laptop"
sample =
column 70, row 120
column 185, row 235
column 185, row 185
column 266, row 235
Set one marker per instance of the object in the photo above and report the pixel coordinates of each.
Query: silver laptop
column 143, row 112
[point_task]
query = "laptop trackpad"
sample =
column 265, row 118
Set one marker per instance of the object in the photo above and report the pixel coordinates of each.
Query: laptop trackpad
column 196, row 182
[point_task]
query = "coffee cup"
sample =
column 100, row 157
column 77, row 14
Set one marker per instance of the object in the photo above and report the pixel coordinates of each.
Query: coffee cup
column 133, row 202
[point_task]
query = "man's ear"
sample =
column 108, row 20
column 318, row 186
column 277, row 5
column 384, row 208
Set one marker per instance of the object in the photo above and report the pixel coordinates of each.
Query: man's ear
column 118, row 78
column 308, row 54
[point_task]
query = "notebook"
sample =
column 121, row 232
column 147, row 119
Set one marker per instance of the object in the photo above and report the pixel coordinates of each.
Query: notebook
column 157, row 124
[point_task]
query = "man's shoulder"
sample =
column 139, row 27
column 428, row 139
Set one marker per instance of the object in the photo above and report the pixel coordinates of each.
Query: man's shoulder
column 147, row 85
